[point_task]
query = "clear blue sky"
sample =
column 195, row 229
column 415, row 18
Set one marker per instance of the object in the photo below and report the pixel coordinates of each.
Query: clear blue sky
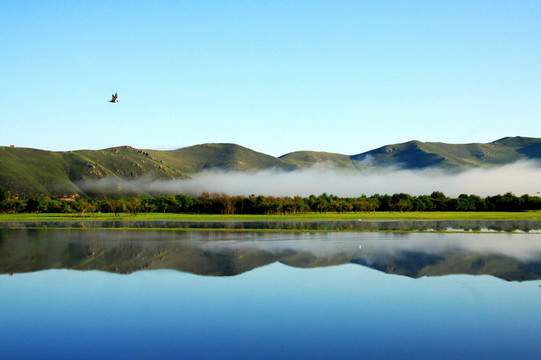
column 274, row 76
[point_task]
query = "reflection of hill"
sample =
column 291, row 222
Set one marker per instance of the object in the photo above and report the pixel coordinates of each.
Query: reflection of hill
column 417, row 265
column 225, row 254
column 308, row 260
column 37, row 250
column 203, row 262
column 407, row 263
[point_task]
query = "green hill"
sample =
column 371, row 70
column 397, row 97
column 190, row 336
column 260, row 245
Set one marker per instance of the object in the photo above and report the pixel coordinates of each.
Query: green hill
column 228, row 157
column 416, row 154
column 309, row 158
column 529, row 147
column 31, row 171
column 26, row 172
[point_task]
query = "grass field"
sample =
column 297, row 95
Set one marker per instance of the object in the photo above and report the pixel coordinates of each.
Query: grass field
column 373, row 216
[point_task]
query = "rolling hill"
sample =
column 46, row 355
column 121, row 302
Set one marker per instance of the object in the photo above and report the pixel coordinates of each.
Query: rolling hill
column 309, row 158
column 26, row 172
column 416, row 154
column 228, row 157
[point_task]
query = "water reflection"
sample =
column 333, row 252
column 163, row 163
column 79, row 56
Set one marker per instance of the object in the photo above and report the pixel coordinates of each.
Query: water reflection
column 510, row 256
column 436, row 225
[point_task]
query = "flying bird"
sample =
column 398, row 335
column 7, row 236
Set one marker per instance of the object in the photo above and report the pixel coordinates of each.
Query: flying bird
column 114, row 98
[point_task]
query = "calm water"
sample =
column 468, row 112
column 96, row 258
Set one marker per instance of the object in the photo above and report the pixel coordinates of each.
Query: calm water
column 97, row 294
column 339, row 225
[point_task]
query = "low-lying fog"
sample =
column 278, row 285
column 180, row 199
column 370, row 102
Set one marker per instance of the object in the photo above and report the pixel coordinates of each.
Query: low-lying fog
column 523, row 177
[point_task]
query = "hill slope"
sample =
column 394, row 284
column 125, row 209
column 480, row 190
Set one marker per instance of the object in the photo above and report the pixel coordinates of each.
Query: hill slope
column 228, row 157
column 309, row 158
column 416, row 154
column 26, row 172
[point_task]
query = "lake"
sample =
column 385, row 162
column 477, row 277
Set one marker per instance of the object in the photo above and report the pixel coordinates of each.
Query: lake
column 140, row 294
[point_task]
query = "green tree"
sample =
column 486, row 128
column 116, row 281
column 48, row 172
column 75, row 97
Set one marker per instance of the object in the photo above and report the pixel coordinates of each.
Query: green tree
column 423, row 203
column 134, row 205
column 149, row 206
column 36, row 204
column 16, row 206
column 383, row 201
column 80, row 205
column 439, row 200
column 401, row 202
column 184, row 202
column 3, row 198
column 323, row 204
column 3, row 195
column 465, row 203
column 115, row 206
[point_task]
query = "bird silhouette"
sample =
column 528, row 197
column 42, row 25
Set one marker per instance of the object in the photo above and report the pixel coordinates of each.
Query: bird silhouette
column 114, row 98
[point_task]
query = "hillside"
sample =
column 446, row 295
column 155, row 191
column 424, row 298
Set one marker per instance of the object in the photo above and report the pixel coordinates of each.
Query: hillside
column 228, row 157
column 26, row 172
column 309, row 158
column 416, row 154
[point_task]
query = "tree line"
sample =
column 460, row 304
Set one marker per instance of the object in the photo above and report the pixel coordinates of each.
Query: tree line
column 219, row 203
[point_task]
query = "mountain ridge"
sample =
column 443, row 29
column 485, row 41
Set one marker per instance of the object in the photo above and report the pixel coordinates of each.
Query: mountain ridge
column 26, row 171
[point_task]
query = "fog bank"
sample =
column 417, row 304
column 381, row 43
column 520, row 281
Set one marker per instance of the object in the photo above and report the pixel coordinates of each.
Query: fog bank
column 520, row 178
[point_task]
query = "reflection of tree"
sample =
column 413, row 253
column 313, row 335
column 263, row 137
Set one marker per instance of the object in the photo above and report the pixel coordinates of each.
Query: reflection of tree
column 126, row 252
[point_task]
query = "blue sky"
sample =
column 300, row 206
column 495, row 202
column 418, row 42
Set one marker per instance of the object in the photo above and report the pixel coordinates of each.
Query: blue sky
column 274, row 76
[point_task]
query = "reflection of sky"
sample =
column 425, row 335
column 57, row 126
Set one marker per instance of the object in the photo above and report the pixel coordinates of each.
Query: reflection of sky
column 71, row 249
column 345, row 311
column 517, row 245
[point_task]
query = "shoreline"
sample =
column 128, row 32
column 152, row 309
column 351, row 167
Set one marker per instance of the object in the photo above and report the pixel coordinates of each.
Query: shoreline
column 532, row 215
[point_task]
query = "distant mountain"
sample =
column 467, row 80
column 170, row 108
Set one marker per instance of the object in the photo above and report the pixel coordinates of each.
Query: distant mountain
column 416, row 154
column 25, row 172
column 228, row 157
column 309, row 158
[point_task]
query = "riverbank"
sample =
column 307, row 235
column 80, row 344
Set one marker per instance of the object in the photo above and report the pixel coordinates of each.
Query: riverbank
column 534, row 215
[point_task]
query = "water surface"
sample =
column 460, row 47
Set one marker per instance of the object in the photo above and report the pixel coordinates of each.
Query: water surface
column 306, row 225
column 202, row 295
